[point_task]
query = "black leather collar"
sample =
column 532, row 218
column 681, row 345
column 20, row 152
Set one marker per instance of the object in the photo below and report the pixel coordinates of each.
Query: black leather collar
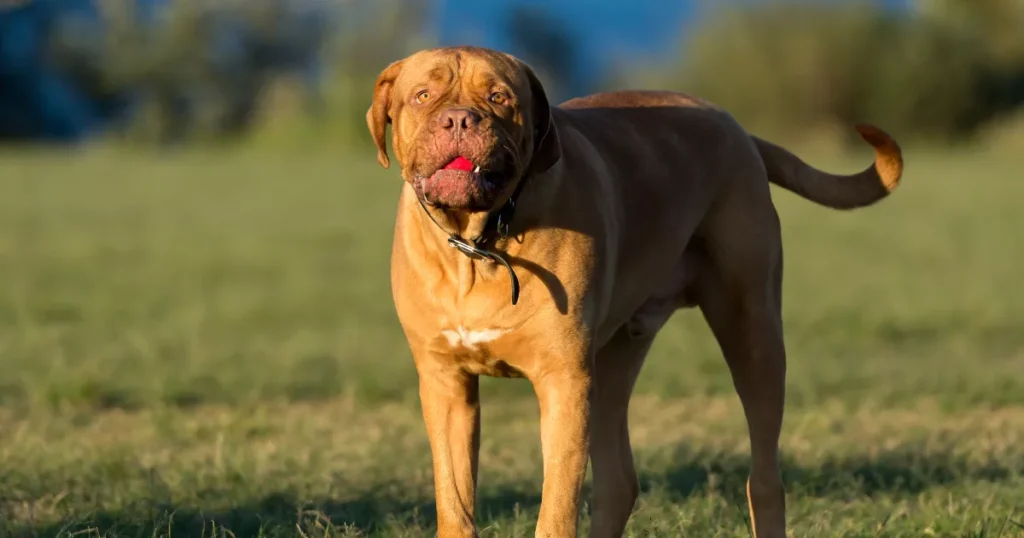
column 496, row 228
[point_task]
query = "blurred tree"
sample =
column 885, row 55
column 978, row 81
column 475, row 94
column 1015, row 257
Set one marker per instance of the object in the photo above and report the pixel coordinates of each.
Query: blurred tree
column 194, row 67
column 795, row 66
column 998, row 26
column 1001, row 22
column 373, row 34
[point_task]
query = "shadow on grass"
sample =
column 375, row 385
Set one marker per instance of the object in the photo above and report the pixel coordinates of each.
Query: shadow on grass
column 378, row 509
column 903, row 471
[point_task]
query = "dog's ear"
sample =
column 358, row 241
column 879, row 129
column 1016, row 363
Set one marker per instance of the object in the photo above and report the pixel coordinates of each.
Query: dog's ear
column 547, row 149
column 379, row 115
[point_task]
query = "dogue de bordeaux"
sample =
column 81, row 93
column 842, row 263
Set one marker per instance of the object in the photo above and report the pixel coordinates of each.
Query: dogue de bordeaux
column 553, row 243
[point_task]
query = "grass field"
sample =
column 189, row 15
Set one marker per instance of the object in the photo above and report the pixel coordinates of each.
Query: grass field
column 204, row 345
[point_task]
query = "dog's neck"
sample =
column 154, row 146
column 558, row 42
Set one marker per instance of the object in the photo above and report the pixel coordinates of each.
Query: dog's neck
column 482, row 234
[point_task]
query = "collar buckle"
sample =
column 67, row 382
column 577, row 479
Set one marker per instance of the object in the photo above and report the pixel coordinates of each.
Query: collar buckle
column 505, row 218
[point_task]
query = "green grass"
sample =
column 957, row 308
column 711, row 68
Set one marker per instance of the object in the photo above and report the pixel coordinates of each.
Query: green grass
column 204, row 345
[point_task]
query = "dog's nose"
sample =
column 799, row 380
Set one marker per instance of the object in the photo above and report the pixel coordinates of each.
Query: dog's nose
column 458, row 119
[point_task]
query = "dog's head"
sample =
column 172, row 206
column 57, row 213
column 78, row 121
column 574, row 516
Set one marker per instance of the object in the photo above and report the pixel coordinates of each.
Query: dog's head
column 467, row 125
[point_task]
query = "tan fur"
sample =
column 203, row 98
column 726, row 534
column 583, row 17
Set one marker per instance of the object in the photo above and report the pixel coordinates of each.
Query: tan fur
column 637, row 204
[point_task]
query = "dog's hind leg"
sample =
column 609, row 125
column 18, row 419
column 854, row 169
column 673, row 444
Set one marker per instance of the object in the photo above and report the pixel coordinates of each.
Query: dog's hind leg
column 747, row 325
column 740, row 296
column 616, row 486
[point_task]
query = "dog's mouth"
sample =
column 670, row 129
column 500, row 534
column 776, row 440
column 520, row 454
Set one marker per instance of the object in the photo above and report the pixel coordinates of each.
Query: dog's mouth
column 462, row 184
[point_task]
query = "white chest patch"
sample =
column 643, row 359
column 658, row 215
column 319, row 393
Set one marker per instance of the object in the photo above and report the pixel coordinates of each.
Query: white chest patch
column 471, row 339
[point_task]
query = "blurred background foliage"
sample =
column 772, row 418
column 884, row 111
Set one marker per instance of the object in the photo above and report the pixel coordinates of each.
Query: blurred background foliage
column 300, row 71
column 939, row 73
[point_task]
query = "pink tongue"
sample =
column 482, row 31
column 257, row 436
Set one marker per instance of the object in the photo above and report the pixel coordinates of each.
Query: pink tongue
column 460, row 163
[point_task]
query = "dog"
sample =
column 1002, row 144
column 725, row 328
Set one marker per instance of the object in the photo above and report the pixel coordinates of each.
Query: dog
column 553, row 243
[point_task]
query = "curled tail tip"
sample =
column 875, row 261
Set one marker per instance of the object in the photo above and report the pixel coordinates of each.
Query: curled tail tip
column 888, row 155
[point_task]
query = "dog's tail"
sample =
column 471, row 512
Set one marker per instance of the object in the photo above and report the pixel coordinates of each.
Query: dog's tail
column 837, row 191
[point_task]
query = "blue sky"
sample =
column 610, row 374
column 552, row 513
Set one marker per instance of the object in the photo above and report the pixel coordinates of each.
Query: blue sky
column 603, row 29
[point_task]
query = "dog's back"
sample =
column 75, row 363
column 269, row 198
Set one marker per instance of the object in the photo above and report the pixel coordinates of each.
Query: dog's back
column 700, row 124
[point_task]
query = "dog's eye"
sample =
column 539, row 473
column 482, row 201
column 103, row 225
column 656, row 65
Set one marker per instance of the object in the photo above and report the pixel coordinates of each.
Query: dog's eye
column 498, row 98
column 423, row 96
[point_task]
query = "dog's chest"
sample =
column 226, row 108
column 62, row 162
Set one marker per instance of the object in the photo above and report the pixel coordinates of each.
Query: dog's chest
column 476, row 350
column 471, row 339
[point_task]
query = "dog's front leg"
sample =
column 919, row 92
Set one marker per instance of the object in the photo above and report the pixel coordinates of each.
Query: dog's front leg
column 564, row 398
column 451, row 411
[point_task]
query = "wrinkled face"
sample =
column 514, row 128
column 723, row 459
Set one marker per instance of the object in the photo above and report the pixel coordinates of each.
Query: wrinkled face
column 468, row 124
